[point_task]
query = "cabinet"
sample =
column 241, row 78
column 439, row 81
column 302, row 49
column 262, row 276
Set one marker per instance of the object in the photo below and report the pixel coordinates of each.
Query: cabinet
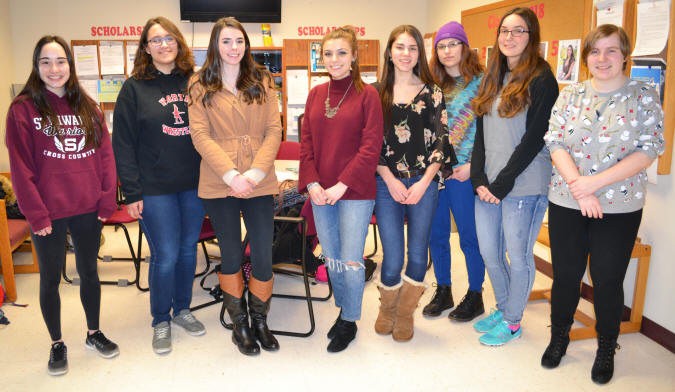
column 272, row 58
column 299, row 77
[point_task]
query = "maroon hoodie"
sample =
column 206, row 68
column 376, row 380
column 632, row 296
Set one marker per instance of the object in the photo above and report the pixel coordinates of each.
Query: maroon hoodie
column 57, row 177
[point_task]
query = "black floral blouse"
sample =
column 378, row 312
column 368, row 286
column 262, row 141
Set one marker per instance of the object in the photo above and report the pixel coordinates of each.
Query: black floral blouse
column 418, row 134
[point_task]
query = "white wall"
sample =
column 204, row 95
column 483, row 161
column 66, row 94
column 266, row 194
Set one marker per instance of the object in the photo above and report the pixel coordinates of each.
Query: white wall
column 6, row 72
column 73, row 19
column 443, row 11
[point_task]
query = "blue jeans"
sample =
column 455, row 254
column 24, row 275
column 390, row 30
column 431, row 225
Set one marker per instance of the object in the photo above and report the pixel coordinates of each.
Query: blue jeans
column 342, row 230
column 457, row 197
column 510, row 227
column 391, row 217
column 171, row 224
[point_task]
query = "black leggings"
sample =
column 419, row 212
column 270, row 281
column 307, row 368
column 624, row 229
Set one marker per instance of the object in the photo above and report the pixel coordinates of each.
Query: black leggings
column 258, row 213
column 609, row 241
column 85, row 231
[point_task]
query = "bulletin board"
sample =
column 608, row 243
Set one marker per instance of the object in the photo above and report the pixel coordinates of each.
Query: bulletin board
column 567, row 20
column 559, row 20
column 105, row 77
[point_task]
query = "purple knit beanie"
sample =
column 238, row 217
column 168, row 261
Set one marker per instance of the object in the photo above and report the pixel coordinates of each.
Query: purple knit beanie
column 451, row 30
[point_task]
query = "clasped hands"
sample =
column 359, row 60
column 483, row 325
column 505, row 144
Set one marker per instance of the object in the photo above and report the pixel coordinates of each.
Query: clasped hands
column 328, row 196
column 582, row 189
column 404, row 195
column 242, row 186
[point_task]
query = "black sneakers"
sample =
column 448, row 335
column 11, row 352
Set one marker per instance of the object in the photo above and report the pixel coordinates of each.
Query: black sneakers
column 98, row 342
column 58, row 361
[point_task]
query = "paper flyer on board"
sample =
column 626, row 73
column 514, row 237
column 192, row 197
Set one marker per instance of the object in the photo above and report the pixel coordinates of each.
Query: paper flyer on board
column 86, row 60
column 609, row 12
column 653, row 24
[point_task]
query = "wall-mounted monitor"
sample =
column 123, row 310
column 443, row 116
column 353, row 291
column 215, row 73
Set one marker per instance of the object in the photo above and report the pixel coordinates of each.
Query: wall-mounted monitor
column 246, row 11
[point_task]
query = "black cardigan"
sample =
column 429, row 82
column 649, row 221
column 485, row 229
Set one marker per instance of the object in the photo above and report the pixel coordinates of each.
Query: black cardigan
column 543, row 91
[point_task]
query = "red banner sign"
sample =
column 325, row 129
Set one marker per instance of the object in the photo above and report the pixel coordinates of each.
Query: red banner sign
column 538, row 9
column 323, row 30
column 116, row 31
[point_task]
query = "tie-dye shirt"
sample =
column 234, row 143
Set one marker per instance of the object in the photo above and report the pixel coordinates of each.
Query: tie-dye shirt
column 461, row 119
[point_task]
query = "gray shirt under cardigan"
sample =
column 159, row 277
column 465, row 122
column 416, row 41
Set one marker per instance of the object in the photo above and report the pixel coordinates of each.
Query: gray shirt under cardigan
column 501, row 136
column 507, row 156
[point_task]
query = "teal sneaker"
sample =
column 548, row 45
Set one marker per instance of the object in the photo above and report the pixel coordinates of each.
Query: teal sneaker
column 489, row 322
column 500, row 335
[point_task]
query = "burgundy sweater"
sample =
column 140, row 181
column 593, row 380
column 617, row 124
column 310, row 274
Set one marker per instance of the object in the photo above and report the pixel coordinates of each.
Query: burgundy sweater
column 346, row 147
column 57, row 178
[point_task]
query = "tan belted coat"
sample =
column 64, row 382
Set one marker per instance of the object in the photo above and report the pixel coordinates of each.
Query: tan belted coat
column 231, row 134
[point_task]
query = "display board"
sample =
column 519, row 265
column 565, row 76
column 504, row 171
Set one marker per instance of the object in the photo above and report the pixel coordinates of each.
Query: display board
column 559, row 20
column 568, row 21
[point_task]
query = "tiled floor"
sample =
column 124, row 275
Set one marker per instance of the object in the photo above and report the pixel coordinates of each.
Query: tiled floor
column 443, row 356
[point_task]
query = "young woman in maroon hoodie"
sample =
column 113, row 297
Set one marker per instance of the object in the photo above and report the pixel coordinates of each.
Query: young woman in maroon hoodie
column 64, row 179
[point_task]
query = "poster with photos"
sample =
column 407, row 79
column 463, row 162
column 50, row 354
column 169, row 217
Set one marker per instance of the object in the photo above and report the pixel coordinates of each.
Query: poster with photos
column 568, row 61
column 488, row 52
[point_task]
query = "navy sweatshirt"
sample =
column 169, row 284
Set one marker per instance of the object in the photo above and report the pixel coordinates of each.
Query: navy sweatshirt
column 151, row 138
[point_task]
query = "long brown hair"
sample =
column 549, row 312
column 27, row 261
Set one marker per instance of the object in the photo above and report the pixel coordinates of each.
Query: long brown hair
column 469, row 67
column 143, row 65
column 253, row 78
column 79, row 102
column 421, row 69
column 515, row 94
column 348, row 34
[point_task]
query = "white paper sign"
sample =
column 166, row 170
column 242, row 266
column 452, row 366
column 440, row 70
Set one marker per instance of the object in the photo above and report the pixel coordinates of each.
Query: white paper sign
column 112, row 57
column 609, row 12
column 652, row 27
column 297, row 86
column 132, row 47
column 90, row 86
column 86, row 60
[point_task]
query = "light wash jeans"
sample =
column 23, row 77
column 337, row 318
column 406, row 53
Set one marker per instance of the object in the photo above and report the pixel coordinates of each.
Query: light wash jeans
column 510, row 227
column 171, row 224
column 391, row 217
column 342, row 230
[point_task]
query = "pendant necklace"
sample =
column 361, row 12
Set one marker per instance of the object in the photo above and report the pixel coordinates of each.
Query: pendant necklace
column 331, row 112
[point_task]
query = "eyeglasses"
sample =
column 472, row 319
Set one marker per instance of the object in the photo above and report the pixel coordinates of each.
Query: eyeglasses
column 451, row 44
column 157, row 41
column 517, row 32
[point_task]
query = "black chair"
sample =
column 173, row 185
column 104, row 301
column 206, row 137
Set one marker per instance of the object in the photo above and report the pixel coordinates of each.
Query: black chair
column 119, row 220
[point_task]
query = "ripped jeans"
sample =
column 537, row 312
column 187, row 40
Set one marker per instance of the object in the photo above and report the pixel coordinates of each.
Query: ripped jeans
column 342, row 230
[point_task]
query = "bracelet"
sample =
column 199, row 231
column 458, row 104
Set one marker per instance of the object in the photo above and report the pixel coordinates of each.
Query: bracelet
column 312, row 185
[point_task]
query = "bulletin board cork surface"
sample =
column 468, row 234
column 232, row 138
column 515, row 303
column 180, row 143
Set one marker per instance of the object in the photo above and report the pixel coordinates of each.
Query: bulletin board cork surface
column 558, row 19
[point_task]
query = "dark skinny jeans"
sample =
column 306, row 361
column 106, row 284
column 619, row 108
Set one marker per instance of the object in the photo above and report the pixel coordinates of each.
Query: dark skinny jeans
column 258, row 213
